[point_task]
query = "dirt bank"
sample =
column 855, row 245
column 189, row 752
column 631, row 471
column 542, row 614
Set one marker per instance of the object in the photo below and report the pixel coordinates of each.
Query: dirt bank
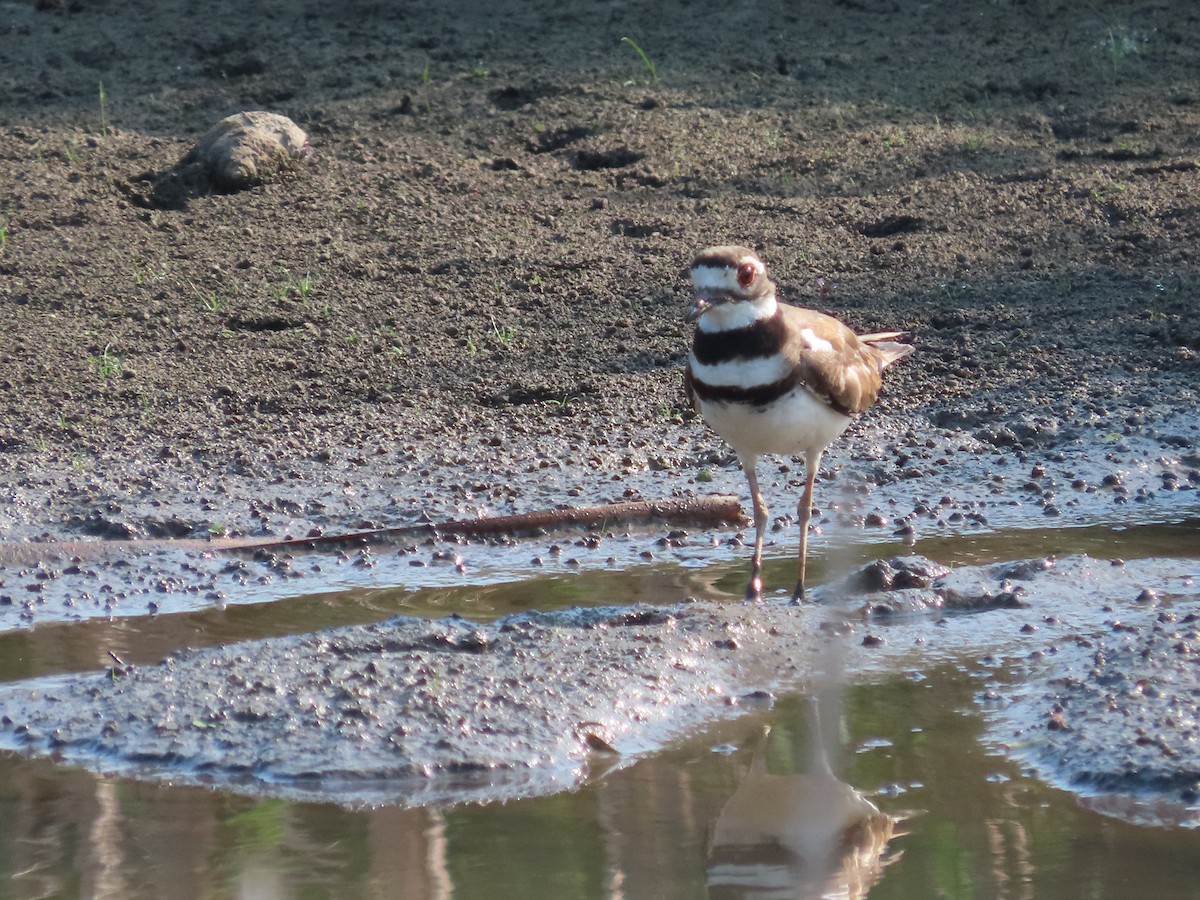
column 442, row 711
column 478, row 275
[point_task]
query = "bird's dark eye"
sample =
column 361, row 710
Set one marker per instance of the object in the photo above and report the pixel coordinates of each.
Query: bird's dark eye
column 746, row 274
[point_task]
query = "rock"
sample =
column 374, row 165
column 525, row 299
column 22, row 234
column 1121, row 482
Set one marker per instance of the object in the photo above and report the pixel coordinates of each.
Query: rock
column 244, row 149
column 1023, row 570
column 238, row 152
column 899, row 573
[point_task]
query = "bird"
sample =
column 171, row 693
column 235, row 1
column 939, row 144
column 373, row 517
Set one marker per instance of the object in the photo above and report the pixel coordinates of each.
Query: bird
column 770, row 378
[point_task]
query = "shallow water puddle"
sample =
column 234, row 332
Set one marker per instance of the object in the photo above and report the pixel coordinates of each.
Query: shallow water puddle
column 965, row 821
column 79, row 580
column 968, row 824
column 59, row 647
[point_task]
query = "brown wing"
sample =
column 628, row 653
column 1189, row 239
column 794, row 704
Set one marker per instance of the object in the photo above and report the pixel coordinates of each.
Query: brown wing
column 836, row 364
column 888, row 350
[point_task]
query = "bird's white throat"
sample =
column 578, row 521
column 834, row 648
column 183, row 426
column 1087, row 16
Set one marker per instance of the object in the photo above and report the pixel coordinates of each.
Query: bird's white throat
column 738, row 314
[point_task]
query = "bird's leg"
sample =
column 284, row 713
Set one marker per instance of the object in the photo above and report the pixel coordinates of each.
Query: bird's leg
column 761, row 514
column 805, row 513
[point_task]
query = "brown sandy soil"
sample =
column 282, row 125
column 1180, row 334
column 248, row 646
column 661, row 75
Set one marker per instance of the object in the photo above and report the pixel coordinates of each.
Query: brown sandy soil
column 477, row 278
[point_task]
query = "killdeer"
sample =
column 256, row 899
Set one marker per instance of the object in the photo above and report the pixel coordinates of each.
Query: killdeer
column 773, row 378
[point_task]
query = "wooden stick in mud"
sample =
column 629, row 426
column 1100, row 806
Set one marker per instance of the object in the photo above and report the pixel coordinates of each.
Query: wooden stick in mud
column 716, row 510
column 720, row 509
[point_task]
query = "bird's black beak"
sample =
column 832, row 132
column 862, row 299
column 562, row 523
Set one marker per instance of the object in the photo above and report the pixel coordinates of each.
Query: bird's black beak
column 701, row 303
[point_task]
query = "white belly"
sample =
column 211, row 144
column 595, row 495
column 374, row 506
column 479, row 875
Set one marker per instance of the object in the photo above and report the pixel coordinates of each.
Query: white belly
column 795, row 423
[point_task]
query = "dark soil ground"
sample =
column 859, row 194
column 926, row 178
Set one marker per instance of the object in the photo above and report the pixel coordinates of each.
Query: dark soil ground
column 480, row 270
column 470, row 298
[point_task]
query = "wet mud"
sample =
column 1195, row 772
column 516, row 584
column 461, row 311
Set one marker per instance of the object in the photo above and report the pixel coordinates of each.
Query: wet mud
column 439, row 711
column 928, row 483
column 419, row 711
column 1114, row 712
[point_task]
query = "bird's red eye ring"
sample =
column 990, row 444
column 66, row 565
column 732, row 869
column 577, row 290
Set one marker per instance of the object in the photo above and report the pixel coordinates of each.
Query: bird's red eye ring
column 746, row 274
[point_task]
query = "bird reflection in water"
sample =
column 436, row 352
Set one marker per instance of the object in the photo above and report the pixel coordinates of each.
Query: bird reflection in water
column 807, row 835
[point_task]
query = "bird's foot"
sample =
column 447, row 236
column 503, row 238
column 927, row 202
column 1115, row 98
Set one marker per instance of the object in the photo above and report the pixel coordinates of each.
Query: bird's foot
column 798, row 594
column 754, row 590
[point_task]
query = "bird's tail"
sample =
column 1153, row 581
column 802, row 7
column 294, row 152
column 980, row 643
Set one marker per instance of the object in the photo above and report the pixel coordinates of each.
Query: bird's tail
column 886, row 347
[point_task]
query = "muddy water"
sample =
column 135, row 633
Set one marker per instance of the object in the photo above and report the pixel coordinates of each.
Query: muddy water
column 961, row 820
column 968, row 824
column 58, row 647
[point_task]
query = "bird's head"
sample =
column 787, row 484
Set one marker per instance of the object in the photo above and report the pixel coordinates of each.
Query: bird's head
column 726, row 274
